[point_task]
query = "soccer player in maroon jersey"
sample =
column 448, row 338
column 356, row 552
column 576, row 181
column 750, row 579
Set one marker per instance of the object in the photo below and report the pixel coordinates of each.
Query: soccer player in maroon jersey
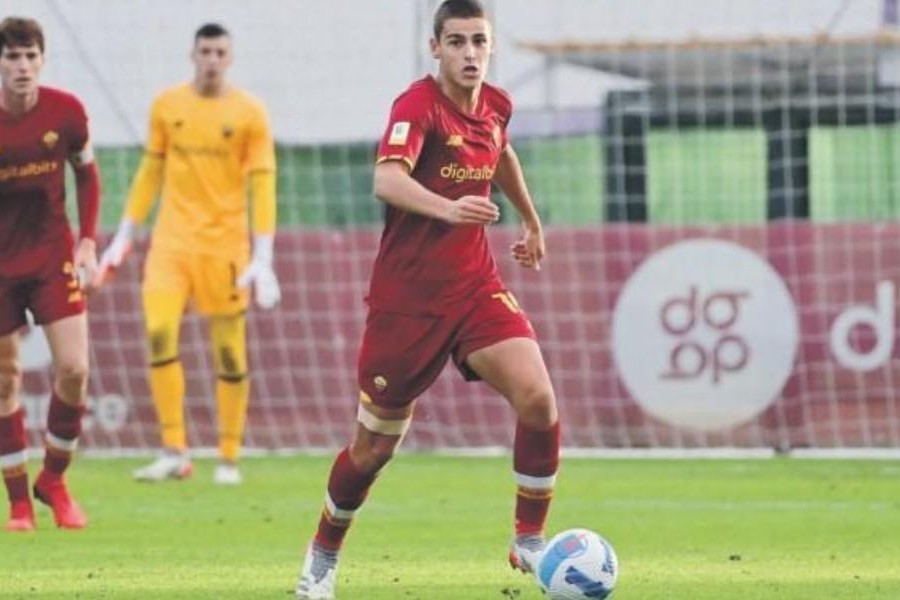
column 42, row 266
column 435, row 291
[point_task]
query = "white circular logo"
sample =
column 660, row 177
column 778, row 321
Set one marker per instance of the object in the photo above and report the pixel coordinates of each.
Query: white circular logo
column 705, row 334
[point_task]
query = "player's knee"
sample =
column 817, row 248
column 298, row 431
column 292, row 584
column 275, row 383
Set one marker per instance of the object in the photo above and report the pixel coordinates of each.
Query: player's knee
column 371, row 453
column 161, row 345
column 230, row 364
column 71, row 379
column 536, row 406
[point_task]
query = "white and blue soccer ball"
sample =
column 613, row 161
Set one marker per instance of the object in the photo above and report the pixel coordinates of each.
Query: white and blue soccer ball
column 578, row 564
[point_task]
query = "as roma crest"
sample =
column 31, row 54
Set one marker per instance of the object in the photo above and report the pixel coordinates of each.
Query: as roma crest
column 50, row 138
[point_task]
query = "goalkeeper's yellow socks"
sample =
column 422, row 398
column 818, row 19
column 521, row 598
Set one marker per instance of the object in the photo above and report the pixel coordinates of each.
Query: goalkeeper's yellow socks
column 167, row 389
column 535, row 462
column 231, row 397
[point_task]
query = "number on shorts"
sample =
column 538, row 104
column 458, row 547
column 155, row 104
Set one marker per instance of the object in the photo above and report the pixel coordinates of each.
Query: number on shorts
column 508, row 300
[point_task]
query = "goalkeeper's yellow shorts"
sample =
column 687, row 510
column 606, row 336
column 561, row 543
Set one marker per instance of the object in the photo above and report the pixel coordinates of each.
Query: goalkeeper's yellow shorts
column 208, row 282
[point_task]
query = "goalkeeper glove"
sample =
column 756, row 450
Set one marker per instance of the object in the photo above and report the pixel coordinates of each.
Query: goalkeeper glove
column 116, row 252
column 261, row 274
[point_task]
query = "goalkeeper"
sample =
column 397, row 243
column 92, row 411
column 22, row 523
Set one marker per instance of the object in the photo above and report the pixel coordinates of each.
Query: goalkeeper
column 209, row 142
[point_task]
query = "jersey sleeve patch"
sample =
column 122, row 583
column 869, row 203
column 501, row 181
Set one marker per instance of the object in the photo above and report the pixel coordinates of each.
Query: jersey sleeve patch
column 399, row 134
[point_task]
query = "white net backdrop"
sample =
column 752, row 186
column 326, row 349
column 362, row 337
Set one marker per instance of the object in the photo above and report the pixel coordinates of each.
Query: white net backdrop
column 645, row 132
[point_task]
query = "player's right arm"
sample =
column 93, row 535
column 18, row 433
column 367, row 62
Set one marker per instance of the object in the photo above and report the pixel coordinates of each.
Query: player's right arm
column 394, row 185
column 145, row 188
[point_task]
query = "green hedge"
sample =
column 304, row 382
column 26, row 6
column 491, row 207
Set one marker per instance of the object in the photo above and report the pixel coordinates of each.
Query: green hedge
column 854, row 173
column 328, row 185
column 706, row 176
column 566, row 177
column 693, row 176
column 331, row 185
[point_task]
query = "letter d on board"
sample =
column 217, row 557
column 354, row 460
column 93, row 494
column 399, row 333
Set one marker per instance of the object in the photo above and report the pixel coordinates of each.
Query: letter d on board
column 880, row 318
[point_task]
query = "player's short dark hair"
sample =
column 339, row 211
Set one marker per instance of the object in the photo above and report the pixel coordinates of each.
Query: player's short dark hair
column 21, row 31
column 210, row 30
column 456, row 9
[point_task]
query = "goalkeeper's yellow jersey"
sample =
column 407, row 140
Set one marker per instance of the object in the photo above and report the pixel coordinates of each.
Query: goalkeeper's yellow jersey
column 210, row 147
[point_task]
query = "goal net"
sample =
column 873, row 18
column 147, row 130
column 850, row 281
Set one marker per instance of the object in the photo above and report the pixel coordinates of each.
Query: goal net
column 719, row 185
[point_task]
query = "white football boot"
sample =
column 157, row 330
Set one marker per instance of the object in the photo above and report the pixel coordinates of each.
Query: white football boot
column 525, row 552
column 170, row 465
column 317, row 575
column 227, row 474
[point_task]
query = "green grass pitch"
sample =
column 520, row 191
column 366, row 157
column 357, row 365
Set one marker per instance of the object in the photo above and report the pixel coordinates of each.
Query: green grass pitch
column 435, row 528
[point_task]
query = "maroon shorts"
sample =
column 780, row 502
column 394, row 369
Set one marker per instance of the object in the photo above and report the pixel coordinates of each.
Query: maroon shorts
column 401, row 354
column 51, row 293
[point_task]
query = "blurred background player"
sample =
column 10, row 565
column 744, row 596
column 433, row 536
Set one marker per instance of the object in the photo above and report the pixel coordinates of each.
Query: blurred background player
column 42, row 128
column 208, row 143
column 435, row 291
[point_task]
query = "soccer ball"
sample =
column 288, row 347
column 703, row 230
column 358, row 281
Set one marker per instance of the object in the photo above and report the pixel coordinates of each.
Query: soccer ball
column 578, row 564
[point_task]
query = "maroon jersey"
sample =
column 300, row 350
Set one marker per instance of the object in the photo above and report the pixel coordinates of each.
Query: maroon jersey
column 425, row 265
column 34, row 148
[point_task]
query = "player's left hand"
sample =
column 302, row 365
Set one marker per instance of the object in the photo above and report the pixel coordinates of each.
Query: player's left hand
column 265, row 284
column 85, row 263
column 529, row 249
